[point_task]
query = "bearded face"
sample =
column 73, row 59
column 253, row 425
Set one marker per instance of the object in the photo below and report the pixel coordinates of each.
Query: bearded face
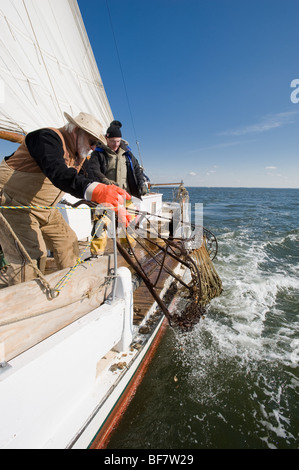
column 86, row 143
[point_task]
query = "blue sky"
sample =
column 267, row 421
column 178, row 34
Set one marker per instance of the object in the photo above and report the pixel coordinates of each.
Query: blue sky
column 209, row 86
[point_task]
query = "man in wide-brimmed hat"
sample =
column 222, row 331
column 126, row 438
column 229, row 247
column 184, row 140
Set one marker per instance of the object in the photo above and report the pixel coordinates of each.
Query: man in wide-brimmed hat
column 45, row 166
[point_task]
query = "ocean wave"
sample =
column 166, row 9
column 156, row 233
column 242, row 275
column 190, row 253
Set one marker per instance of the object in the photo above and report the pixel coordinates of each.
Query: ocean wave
column 248, row 320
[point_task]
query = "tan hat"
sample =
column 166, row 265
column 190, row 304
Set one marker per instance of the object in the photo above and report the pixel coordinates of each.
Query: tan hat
column 89, row 124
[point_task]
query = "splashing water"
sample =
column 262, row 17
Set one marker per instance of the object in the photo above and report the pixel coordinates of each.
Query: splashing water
column 237, row 372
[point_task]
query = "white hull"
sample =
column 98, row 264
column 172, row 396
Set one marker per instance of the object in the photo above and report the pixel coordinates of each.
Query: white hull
column 69, row 365
column 62, row 391
column 59, row 393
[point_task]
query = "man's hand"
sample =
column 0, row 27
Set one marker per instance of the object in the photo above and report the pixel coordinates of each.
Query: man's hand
column 114, row 196
column 143, row 189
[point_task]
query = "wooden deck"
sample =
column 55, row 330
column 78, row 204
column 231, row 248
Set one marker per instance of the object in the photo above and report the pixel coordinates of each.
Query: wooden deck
column 143, row 300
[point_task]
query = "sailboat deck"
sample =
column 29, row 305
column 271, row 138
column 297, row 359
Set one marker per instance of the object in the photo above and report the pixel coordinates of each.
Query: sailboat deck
column 143, row 300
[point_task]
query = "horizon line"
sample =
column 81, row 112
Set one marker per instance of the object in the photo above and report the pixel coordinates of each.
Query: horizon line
column 227, row 187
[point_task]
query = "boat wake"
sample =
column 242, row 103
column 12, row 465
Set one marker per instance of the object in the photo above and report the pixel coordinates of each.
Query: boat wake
column 248, row 339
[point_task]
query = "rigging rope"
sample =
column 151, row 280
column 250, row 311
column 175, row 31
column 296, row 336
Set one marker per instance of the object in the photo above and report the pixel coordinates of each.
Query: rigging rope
column 6, row 228
column 123, row 80
column 63, row 281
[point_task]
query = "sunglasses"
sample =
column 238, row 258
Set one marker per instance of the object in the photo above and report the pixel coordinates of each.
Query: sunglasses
column 92, row 142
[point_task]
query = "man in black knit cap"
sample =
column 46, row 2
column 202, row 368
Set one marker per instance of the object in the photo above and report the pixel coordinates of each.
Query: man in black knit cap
column 115, row 164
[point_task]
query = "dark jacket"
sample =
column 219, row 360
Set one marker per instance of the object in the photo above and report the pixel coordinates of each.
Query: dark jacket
column 96, row 169
column 46, row 148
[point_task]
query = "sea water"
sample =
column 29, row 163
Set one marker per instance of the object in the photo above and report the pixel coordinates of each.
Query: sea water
column 233, row 381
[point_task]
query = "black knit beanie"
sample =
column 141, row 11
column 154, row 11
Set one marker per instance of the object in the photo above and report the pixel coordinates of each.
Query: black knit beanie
column 114, row 129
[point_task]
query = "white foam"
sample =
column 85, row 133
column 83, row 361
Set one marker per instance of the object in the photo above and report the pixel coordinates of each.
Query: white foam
column 238, row 321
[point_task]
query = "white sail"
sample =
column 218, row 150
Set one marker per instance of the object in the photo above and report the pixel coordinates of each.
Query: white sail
column 46, row 66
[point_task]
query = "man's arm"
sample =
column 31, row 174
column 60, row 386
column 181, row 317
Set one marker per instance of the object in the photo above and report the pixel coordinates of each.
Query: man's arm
column 45, row 146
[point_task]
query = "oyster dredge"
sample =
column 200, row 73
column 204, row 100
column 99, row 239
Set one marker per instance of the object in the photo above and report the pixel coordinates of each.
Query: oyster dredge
column 76, row 339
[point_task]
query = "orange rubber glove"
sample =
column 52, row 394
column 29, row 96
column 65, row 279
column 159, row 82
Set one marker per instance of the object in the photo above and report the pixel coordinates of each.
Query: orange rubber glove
column 112, row 195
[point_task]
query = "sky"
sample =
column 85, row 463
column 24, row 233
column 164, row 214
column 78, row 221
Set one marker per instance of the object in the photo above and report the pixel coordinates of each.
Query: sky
column 209, row 88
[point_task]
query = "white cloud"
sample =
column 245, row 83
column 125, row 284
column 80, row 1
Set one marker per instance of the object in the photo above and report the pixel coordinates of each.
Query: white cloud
column 271, row 121
column 270, row 167
column 192, row 173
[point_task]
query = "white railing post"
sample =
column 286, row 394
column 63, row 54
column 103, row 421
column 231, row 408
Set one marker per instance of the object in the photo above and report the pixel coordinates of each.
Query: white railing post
column 124, row 290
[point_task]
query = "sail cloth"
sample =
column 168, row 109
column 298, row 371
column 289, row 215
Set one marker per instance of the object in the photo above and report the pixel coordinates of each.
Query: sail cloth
column 46, row 66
